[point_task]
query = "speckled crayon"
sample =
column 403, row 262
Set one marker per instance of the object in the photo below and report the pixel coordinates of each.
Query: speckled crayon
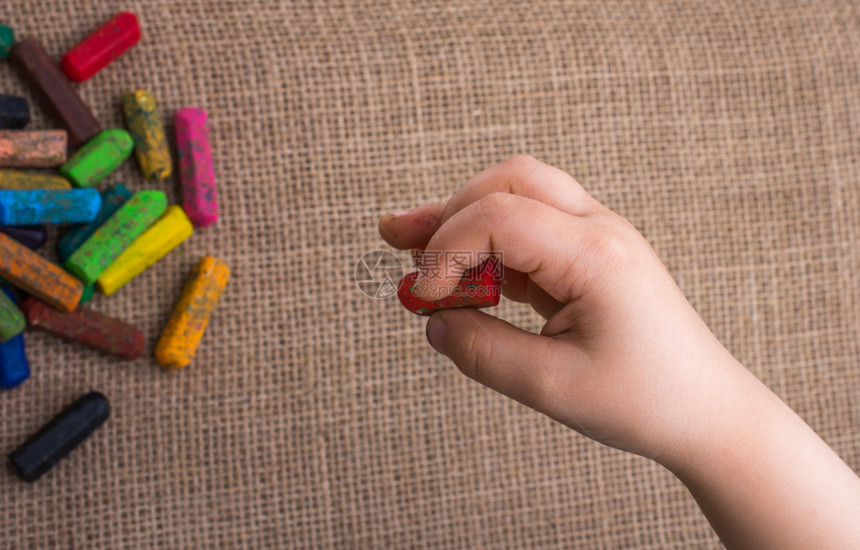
column 478, row 287
column 48, row 206
column 98, row 158
column 21, row 179
column 199, row 196
column 32, row 148
column 87, row 327
column 37, row 276
column 167, row 233
column 115, row 235
column 14, row 366
column 12, row 321
column 147, row 131
column 112, row 199
column 182, row 334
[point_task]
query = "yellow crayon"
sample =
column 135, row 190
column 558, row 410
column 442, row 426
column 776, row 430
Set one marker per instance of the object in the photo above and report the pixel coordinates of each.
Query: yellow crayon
column 184, row 330
column 168, row 232
column 17, row 179
column 145, row 127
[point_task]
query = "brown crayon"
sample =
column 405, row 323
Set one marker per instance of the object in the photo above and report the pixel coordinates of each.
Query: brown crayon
column 87, row 327
column 60, row 99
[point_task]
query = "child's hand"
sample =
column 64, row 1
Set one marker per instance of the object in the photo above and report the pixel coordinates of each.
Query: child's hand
column 623, row 358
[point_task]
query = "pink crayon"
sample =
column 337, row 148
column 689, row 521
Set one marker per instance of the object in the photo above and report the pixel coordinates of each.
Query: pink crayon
column 199, row 198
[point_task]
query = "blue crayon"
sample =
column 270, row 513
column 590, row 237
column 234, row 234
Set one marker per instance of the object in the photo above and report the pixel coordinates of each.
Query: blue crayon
column 14, row 366
column 48, row 206
column 112, row 199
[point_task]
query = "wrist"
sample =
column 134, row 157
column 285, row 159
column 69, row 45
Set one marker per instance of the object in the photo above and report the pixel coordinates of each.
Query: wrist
column 723, row 421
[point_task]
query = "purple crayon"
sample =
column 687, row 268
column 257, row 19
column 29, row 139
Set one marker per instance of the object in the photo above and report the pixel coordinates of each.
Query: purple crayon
column 199, row 198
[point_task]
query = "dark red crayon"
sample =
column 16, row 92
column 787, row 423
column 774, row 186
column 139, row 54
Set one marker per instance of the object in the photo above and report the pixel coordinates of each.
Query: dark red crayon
column 478, row 287
column 102, row 46
column 60, row 99
column 86, row 327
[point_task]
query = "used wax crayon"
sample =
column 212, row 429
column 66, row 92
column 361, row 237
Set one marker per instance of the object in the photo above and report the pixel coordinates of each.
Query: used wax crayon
column 37, row 276
column 32, row 148
column 60, row 436
column 112, row 199
column 87, row 327
column 21, row 179
column 14, row 112
column 199, row 197
column 478, row 287
column 48, row 206
column 28, row 179
column 14, row 366
column 145, row 127
column 98, row 158
column 60, row 99
column 7, row 40
column 102, row 46
column 87, row 295
column 179, row 339
column 164, row 235
column 115, row 235
column 12, row 321
column 31, row 236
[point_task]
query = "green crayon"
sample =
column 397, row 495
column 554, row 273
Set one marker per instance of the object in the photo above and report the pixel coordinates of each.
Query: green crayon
column 89, row 290
column 12, row 322
column 115, row 235
column 98, row 158
column 7, row 40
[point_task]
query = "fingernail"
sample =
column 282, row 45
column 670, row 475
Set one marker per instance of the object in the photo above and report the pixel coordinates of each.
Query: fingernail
column 435, row 332
column 399, row 213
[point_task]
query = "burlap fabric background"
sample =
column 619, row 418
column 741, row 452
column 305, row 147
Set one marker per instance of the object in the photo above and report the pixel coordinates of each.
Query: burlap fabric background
column 315, row 416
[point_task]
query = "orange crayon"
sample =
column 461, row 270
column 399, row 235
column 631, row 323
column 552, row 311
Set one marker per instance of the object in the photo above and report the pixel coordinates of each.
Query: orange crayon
column 33, row 148
column 184, row 330
column 37, row 276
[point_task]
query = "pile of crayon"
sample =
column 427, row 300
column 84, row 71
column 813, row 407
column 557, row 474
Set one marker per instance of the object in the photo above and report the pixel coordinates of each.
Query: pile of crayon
column 113, row 234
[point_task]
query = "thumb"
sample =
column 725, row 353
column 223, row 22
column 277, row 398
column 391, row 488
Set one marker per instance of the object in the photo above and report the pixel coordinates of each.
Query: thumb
column 537, row 371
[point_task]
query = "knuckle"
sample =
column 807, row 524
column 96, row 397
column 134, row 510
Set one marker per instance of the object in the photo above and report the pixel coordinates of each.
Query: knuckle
column 602, row 252
column 615, row 249
column 520, row 160
column 493, row 204
column 520, row 176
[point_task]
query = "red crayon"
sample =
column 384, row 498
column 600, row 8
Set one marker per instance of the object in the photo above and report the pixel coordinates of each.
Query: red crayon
column 102, row 46
column 86, row 327
column 478, row 287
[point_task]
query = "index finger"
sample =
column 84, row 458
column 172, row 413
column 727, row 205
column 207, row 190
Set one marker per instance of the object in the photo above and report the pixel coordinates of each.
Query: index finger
column 525, row 176
column 555, row 249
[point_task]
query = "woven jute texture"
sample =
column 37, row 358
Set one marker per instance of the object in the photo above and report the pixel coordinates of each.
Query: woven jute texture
column 316, row 416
